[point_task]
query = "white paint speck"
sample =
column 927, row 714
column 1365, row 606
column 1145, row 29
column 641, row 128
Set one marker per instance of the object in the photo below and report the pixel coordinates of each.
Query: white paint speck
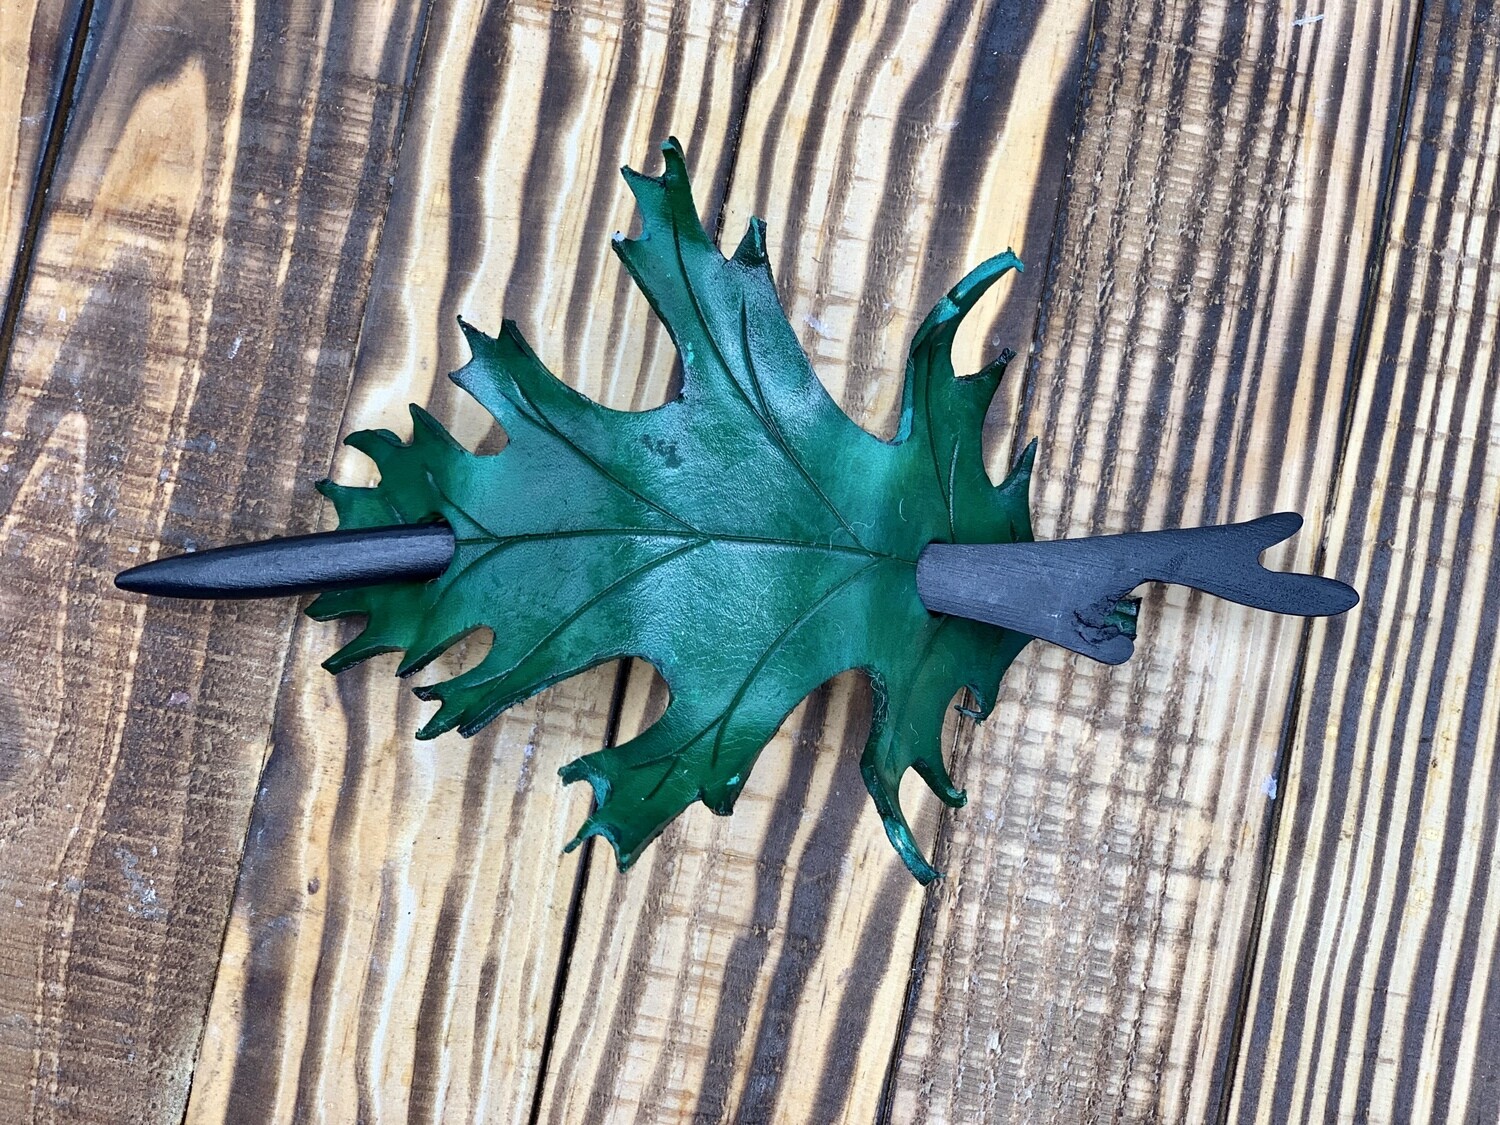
column 1306, row 21
column 818, row 326
column 234, row 348
column 142, row 891
column 1268, row 787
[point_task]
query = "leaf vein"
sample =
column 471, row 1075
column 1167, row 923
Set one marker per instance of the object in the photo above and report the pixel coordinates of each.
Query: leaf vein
column 587, row 604
column 764, row 415
column 599, row 468
column 781, row 638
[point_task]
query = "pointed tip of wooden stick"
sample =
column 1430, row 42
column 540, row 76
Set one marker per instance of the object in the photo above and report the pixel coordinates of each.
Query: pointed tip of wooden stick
column 136, row 580
column 301, row 564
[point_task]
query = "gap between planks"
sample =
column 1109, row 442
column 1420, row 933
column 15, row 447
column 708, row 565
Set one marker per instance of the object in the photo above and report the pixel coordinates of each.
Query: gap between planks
column 575, row 908
column 927, row 920
column 622, row 679
column 1369, row 301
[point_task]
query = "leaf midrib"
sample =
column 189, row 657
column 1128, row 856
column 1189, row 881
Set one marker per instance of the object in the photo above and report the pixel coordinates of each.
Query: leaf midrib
column 498, row 541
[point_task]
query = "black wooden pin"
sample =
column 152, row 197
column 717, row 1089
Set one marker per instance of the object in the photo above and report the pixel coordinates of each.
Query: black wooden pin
column 1066, row 590
column 298, row 564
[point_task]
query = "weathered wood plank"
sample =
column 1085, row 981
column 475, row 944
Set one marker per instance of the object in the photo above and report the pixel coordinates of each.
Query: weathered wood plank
column 754, row 967
column 1084, row 961
column 402, row 907
column 36, row 39
column 1377, row 995
column 179, row 367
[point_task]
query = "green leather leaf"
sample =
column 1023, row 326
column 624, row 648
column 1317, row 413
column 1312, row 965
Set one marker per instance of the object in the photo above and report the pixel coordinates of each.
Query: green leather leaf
column 747, row 538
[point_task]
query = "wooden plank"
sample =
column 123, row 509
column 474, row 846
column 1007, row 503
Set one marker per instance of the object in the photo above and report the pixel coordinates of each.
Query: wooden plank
column 754, row 967
column 1084, row 961
column 36, row 39
column 402, row 907
column 178, row 370
column 1377, row 996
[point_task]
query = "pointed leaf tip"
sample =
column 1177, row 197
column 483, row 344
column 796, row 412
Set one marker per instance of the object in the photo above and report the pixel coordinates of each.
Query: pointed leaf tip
column 439, row 724
column 676, row 181
column 668, row 215
column 1027, row 459
column 977, row 281
column 674, row 174
column 935, row 774
column 941, row 324
column 427, row 429
column 900, row 837
column 1019, row 477
column 472, row 336
column 752, row 248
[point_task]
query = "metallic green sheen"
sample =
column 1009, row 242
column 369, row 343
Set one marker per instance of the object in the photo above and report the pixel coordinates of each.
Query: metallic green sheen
column 747, row 538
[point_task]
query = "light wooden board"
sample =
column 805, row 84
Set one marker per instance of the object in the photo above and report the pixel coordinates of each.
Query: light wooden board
column 177, row 372
column 36, row 39
column 1221, row 331
column 1377, row 995
column 1085, row 959
column 755, row 967
column 402, row 908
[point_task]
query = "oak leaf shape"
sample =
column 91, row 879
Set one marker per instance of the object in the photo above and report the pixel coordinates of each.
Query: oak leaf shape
column 747, row 538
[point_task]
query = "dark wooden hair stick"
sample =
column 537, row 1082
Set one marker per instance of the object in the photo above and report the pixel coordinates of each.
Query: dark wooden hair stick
column 299, row 564
column 1066, row 591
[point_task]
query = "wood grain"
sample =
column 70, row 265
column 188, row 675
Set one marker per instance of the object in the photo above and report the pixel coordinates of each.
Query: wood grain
column 754, row 968
column 36, row 40
column 1084, row 961
column 1252, row 875
column 403, row 906
column 1377, row 993
column 180, row 361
